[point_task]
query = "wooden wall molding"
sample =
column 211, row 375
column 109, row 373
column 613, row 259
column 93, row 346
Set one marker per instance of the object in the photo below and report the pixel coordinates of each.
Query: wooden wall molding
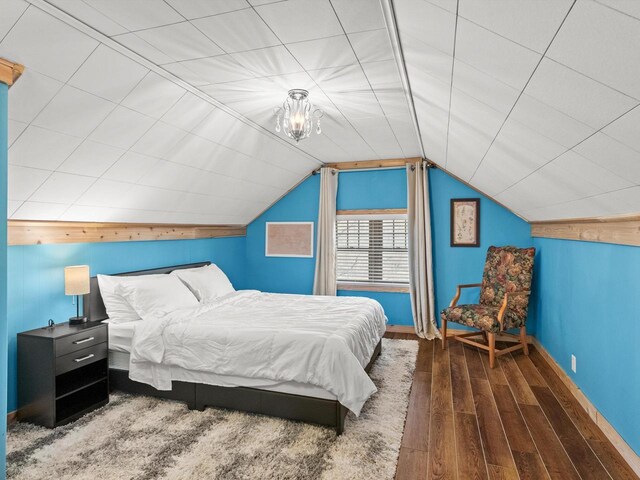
column 10, row 71
column 25, row 232
column 379, row 211
column 621, row 230
column 611, row 433
column 372, row 287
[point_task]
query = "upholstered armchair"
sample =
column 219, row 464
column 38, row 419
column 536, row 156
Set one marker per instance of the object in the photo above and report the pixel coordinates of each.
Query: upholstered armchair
column 504, row 300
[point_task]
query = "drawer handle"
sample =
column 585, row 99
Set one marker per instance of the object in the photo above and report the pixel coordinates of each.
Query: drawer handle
column 84, row 340
column 82, row 359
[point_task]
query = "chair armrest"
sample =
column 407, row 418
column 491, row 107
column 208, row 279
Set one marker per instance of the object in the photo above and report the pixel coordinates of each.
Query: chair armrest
column 505, row 302
column 459, row 288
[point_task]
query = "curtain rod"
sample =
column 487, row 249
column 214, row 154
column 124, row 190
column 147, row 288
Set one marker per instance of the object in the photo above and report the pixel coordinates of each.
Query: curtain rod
column 371, row 169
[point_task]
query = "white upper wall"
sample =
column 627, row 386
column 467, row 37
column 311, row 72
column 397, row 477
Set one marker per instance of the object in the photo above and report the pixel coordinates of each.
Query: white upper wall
column 162, row 110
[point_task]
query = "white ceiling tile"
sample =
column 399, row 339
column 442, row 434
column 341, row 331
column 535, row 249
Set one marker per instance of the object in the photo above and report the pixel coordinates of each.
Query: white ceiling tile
column 183, row 72
column 482, row 87
column 422, row 23
column 15, row 130
column 578, row 96
column 372, row 46
column 383, row 75
column 130, row 167
column 531, row 24
column 423, row 59
column 133, row 42
column 39, row 211
column 41, row 51
column 89, row 15
column 268, row 61
column 612, row 155
column 344, row 79
column 159, row 140
column 299, row 20
column 602, row 44
column 359, row 15
column 472, row 127
column 450, row 5
column 62, row 188
column 153, row 96
column 218, row 69
column 596, row 179
column 324, row 52
column 24, row 181
column 496, row 56
column 626, row 129
column 91, row 159
column 74, row 112
column 41, row 148
column 107, row 193
column 188, row 112
column 12, row 206
column 108, row 74
column 136, row 15
column 30, row 95
column 229, row 31
column 378, row 135
column 550, row 122
column 191, row 9
column 11, row 11
column 122, row 128
column 180, row 41
column 630, row 7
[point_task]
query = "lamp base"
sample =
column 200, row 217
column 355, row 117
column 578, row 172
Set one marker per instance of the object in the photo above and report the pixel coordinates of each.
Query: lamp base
column 77, row 320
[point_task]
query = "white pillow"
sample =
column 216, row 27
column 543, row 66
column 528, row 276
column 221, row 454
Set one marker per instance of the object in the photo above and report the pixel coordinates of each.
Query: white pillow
column 157, row 296
column 117, row 307
column 207, row 283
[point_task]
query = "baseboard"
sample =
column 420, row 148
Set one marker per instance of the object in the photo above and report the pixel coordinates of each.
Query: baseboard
column 614, row 437
column 451, row 332
column 12, row 417
column 400, row 329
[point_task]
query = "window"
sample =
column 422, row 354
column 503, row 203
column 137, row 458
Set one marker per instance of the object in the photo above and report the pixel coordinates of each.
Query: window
column 372, row 249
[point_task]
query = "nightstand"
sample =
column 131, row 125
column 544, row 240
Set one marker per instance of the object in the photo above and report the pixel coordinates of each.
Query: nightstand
column 63, row 372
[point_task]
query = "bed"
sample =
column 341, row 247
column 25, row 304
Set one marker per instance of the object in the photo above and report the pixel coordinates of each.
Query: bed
column 291, row 397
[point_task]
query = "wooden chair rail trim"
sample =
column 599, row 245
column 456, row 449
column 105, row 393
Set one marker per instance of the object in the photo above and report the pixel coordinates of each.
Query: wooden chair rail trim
column 367, row 164
column 632, row 459
column 617, row 230
column 10, row 71
column 25, row 232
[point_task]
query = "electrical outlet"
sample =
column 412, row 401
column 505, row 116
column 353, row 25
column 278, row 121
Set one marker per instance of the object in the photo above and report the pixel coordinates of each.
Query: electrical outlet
column 573, row 363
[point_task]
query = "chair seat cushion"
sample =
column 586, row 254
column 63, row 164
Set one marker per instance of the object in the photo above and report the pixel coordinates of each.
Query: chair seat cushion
column 483, row 317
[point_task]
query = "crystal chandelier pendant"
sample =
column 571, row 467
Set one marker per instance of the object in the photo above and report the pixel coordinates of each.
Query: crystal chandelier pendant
column 297, row 121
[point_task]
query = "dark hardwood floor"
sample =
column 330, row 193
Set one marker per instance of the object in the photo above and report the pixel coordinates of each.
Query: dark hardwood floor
column 518, row 421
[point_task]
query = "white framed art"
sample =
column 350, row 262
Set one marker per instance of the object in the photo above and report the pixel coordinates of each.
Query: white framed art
column 289, row 239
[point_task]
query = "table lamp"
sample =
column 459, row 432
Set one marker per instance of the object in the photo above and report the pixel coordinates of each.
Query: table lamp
column 76, row 282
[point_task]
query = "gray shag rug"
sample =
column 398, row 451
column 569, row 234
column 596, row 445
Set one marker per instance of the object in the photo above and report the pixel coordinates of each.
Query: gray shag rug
column 136, row 437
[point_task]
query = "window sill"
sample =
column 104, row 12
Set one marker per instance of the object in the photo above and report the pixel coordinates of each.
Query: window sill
column 374, row 287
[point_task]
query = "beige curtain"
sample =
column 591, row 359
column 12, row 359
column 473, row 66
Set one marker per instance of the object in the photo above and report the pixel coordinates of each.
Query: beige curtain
column 324, row 282
column 420, row 261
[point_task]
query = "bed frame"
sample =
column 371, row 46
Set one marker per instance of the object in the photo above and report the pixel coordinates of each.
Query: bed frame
column 198, row 396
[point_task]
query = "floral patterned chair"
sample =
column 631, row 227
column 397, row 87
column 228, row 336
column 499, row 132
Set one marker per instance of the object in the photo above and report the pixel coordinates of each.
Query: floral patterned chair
column 504, row 299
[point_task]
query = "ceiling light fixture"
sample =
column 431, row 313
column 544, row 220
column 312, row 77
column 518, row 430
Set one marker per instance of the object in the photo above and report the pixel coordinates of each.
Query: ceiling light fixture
column 297, row 119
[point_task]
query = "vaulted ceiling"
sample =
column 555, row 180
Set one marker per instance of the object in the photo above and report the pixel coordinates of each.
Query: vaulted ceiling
column 162, row 110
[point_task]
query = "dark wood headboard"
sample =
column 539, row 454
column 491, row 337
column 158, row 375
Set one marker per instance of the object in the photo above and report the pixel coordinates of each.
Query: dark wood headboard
column 93, row 306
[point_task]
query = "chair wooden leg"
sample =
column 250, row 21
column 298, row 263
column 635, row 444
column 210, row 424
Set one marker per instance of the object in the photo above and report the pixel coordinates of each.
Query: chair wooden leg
column 492, row 349
column 443, row 332
column 523, row 339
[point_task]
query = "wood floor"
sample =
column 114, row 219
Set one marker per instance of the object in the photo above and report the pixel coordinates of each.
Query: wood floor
column 517, row 421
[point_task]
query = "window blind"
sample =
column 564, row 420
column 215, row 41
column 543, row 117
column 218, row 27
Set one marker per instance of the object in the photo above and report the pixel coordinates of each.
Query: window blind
column 372, row 250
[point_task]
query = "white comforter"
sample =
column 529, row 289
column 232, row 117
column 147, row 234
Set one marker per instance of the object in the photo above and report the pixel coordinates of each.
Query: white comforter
column 324, row 341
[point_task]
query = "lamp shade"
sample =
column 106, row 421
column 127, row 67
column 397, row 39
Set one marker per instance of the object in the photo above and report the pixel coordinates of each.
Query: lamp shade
column 76, row 280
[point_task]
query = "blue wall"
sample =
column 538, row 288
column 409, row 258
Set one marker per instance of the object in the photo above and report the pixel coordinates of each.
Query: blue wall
column 4, row 89
column 36, row 290
column 455, row 265
column 384, row 189
column 588, row 305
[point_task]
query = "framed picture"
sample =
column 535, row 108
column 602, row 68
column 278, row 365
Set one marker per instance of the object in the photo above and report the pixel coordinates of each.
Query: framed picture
column 289, row 239
column 465, row 222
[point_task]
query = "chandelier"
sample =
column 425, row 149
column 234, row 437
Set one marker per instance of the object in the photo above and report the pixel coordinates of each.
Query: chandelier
column 297, row 119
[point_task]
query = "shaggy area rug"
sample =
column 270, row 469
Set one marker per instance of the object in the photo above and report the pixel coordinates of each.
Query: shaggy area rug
column 139, row 438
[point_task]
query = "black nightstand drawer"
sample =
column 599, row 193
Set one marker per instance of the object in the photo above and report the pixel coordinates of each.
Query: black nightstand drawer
column 81, row 358
column 79, row 341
